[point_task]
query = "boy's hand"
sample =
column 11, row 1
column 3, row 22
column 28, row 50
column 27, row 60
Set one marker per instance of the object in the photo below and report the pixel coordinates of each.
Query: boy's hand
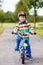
column 33, row 33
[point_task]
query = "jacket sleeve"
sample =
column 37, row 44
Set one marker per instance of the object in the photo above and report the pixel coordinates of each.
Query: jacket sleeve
column 16, row 28
column 31, row 29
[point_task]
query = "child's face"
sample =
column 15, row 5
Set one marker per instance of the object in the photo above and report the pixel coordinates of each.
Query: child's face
column 22, row 18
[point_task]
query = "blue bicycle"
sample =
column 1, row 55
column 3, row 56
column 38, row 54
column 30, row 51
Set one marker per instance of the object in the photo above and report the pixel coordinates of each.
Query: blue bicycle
column 22, row 47
column 22, row 50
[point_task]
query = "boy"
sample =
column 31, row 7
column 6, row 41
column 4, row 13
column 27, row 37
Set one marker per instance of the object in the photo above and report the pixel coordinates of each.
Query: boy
column 24, row 27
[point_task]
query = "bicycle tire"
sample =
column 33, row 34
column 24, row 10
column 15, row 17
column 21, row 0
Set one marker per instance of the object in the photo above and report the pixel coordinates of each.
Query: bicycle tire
column 23, row 56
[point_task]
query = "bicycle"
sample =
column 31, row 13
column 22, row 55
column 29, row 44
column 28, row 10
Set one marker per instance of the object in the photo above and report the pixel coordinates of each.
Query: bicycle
column 22, row 50
column 22, row 47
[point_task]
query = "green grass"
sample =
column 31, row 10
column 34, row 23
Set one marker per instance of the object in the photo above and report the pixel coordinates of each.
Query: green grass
column 6, row 25
column 39, row 31
column 1, row 30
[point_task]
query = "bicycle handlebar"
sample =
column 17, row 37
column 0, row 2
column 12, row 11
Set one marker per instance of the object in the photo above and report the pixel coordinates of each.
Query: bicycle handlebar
column 24, row 34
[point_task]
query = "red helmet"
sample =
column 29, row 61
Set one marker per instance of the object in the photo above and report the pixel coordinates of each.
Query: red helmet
column 22, row 13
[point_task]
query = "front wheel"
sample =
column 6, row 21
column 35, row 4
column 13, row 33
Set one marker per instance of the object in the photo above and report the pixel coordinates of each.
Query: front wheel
column 23, row 56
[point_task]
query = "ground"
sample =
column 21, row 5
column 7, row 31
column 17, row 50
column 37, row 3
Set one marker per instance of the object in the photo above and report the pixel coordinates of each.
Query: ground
column 9, row 57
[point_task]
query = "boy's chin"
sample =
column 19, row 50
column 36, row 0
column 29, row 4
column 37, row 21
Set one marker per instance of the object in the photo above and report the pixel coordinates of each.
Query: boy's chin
column 22, row 21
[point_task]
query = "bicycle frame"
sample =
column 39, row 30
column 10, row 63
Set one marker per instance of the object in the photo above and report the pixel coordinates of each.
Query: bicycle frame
column 22, row 50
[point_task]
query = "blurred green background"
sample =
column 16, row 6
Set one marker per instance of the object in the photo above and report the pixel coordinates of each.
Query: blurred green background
column 9, row 19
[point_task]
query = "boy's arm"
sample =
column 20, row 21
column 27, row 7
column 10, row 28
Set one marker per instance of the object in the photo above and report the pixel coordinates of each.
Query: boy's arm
column 15, row 31
column 31, row 30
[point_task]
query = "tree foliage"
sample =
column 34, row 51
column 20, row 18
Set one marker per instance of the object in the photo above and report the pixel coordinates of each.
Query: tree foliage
column 33, row 4
column 2, row 16
column 20, row 7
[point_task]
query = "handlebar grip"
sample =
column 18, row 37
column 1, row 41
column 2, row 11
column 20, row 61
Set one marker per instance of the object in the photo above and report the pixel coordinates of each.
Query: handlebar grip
column 12, row 32
column 35, row 33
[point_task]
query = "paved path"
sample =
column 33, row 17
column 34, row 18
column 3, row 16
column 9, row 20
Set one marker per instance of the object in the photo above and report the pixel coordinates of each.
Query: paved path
column 9, row 57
